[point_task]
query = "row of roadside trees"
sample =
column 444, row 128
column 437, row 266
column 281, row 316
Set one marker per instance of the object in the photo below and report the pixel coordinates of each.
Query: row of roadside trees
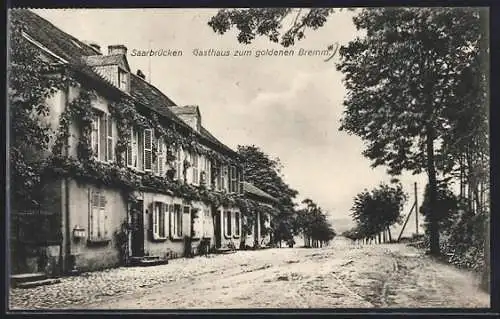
column 417, row 82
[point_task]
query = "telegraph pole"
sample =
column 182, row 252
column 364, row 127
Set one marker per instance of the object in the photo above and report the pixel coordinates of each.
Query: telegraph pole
column 416, row 209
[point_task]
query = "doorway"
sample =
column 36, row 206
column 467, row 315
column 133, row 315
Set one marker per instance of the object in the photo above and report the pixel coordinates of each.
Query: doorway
column 217, row 230
column 137, row 232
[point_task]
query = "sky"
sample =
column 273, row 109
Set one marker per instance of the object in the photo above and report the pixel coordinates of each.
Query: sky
column 288, row 106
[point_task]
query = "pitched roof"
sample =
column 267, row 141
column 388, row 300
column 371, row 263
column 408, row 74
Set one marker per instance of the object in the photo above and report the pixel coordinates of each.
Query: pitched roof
column 205, row 133
column 50, row 36
column 252, row 189
column 75, row 52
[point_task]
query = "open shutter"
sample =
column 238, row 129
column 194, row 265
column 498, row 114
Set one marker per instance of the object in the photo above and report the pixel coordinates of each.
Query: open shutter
column 129, row 148
column 109, row 144
column 102, row 138
column 148, row 149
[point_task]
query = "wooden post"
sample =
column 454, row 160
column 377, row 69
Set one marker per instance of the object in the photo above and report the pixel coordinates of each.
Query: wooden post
column 406, row 221
column 416, row 209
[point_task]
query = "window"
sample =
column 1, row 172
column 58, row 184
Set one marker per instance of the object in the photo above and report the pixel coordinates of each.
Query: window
column 195, row 169
column 219, row 177
column 198, row 223
column 102, row 137
column 122, row 80
column 159, row 166
column 175, row 221
column 159, row 220
column 237, row 224
column 148, row 150
column 224, row 178
column 109, row 139
column 233, row 184
column 207, row 221
column 98, row 217
column 227, row 223
column 207, row 174
column 132, row 148
column 178, row 164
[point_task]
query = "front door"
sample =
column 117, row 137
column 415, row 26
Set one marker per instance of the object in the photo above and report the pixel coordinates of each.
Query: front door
column 217, row 232
column 137, row 232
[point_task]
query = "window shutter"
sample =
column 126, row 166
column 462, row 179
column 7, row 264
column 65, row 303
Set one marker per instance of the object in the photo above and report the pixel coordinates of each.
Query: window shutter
column 148, row 152
column 102, row 137
column 129, row 147
column 110, row 138
column 103, row 217
column 230, row 188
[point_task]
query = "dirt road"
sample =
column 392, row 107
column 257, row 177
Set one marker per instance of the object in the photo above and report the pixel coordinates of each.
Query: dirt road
column 340, row 275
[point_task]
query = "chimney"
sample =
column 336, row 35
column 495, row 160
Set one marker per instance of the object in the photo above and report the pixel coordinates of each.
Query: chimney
column 141, row 75
column 117, row 49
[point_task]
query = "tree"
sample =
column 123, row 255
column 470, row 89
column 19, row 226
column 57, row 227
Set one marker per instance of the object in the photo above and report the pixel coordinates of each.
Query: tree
column 401, row 106
column 422, row 109
column 269, row 22
column 313, row 224
column 31, row 81
column 376, row 211
column 265, row 173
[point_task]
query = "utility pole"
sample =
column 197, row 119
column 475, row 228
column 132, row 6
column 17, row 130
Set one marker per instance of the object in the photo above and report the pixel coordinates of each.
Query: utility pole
column 416, row 209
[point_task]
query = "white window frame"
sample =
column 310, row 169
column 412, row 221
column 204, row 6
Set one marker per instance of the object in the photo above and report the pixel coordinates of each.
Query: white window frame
column 110, row 154
column 176, row 222
column 233, row 179
column 147, row 150
column 207, row 220
column 224, row 177
column 122, row 79
column 133, row 149
column 160, row 211
column 179, row 163
column 159, row 164
column 195, row 169
column 102, row 131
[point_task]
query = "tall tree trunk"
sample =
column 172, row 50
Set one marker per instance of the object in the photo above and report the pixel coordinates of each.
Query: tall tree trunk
column 379, row 238
column 389, row 233
column 431, row 173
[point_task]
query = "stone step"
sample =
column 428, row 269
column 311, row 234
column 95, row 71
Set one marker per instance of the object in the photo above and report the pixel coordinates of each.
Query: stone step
column 44, row 282
column 28, row 277
column 145, row 262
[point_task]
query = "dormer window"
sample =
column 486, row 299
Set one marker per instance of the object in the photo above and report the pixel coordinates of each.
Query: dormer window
column 123, row 79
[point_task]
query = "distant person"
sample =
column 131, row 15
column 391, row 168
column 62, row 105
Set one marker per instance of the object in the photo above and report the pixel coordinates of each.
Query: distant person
column 291, row 242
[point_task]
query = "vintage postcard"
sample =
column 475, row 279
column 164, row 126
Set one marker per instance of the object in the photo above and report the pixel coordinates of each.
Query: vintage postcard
column 265, row 158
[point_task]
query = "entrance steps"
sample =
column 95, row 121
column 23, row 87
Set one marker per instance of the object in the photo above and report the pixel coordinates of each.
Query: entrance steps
column 30, row 280
column 146, row 261
column 224, row 251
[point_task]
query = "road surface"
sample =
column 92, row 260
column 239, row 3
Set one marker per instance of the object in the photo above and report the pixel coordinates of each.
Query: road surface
column 341, row 275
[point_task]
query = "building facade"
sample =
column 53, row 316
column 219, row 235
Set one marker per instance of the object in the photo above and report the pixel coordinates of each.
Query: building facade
column 132, row 174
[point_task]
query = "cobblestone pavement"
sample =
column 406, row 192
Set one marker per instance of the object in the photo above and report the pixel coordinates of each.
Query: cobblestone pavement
column 340, row 275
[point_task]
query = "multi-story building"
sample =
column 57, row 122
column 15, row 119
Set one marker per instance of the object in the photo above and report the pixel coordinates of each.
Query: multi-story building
column 136, row 174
